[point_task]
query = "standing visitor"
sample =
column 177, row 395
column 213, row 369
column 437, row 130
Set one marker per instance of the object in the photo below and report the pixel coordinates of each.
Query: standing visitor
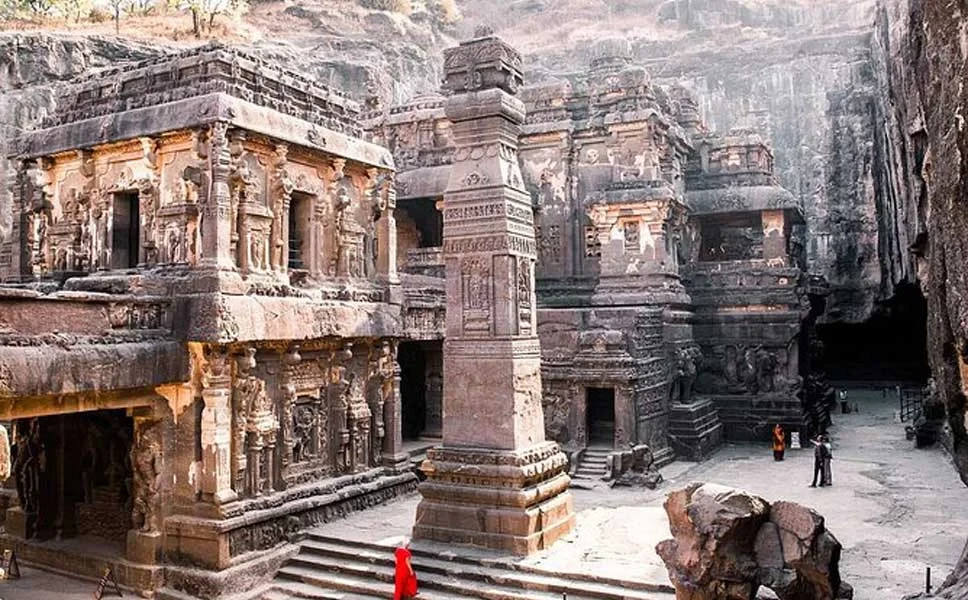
column 827, row 455
column 818, row 456
column 779, row 442
column 404, row 578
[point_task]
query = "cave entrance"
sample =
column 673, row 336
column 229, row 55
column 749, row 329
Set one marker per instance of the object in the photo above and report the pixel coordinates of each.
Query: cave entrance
column 600, row 409
column 421, row 389
column 73, row 475
column 889, row 347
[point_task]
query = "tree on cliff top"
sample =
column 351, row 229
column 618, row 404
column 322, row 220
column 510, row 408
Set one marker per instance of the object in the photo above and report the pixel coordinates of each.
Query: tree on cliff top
column 204, row 12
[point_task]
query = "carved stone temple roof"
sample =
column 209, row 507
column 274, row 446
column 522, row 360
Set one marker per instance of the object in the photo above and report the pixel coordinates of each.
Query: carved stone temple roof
column 196, row 88
column 204, row 70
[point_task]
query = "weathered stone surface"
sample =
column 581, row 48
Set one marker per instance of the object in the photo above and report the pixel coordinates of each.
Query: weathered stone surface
column 495, row 481
column 727, row 543
column 633, row 468
column 714, row 530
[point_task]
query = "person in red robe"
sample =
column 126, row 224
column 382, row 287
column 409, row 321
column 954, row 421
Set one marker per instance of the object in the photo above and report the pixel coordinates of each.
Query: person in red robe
column 779, row 442
column 404, row 578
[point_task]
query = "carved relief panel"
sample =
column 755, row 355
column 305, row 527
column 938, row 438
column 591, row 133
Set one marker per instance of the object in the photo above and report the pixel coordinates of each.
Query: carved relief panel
column 476, row 293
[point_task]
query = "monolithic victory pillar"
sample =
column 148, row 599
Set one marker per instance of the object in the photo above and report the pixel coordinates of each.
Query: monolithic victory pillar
column 495, row 481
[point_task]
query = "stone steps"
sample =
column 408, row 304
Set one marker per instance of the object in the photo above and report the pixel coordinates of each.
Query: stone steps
column 335, row 569
column 593, row 461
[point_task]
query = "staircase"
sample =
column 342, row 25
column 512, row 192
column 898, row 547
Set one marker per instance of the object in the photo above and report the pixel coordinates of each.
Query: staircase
column 335, row 569
column 592, row 464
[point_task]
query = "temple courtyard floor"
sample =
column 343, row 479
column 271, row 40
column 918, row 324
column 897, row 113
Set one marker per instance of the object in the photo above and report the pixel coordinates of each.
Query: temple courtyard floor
column 895, row 509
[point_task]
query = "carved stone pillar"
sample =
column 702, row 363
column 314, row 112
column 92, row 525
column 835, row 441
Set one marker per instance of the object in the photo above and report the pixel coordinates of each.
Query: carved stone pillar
column 216, row 435
column 386, row 257
column 144, row 541
column 280, row 202
column 216, row 223
column 495, row 481
column 393, row 454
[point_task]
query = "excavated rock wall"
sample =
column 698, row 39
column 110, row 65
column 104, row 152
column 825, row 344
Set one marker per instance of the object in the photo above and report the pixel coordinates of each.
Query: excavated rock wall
column 799, row 72
column 920, row 54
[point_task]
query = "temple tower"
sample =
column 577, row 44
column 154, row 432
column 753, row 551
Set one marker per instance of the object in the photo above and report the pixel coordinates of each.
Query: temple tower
column 495, row 481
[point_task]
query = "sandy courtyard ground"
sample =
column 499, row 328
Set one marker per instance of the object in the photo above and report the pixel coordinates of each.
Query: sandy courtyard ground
column 895, row 509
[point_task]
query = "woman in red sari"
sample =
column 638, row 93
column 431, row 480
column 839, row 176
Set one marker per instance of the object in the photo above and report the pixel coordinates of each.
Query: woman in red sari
column 404, row 578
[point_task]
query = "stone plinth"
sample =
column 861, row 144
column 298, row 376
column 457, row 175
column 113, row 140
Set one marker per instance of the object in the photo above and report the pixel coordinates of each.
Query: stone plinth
column 495, row 482
column 514, row 501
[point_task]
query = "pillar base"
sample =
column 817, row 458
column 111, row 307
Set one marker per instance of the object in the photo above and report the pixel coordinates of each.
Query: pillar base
column 19, row 524
column 143, row 547
column 514, row 501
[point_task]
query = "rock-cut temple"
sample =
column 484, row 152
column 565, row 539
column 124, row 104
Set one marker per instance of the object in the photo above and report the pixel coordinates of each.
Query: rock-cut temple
column 233, row 301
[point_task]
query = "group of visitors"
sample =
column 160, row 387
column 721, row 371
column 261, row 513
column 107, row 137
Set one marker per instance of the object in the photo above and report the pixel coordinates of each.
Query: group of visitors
column 822, row 454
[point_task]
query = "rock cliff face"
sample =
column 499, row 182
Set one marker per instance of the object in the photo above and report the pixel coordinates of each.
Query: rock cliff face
column 921, row 56
column 799, row 71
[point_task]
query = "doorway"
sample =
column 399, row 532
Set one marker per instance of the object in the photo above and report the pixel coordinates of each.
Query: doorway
column 600, row 412
column 299, row 207
column 421, row 389
column 125, row 231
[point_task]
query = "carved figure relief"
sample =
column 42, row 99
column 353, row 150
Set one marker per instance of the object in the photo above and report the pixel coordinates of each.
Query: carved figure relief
column 685, row 369
column 349, row 237
column 549, row 244
column 339, row 400
column 28, row 465
column 146, row 458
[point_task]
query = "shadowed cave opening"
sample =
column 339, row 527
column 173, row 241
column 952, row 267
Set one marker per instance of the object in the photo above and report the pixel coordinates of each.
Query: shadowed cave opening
column 889, row 346
column 601, row 416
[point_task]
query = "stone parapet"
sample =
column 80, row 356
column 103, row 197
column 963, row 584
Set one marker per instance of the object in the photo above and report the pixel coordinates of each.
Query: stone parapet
column 213, row 67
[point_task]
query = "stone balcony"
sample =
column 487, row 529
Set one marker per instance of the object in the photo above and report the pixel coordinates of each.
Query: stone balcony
column 425, row 261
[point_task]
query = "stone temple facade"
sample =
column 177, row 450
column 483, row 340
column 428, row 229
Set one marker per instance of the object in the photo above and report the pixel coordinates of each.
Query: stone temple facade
column 673, row 305
column 231, row 298
column 200, row 323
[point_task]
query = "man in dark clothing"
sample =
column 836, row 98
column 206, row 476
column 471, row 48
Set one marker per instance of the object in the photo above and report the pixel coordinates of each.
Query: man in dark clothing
column 820, row 455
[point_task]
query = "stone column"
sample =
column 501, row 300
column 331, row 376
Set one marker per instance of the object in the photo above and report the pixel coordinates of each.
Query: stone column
column 216, row 481
column 216, row 225
column 392, row 453
column 495, row 482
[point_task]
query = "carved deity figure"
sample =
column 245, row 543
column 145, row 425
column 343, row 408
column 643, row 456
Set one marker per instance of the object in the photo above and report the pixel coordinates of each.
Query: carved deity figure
column 339, row 394
column 384, row 371
column 349, row 262
column 29, row 464
column 684, row 378
column 146, row 459
column 303, row 426
column 766, row 364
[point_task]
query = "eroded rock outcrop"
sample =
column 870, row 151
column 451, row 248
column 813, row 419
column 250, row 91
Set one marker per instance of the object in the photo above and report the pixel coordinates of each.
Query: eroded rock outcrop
column 728, row 543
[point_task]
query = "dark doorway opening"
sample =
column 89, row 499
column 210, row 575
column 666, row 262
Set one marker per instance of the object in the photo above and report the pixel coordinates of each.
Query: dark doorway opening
column 299, row 207
column 429, row 221
column 74, row 476
column 421, row 389
column 413, row 364
column 891, row 346
column 125, row 230
column 600, row 411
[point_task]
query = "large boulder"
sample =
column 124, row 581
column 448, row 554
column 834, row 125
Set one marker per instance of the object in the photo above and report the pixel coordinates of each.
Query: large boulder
column 728, row 543
column 711, row 554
